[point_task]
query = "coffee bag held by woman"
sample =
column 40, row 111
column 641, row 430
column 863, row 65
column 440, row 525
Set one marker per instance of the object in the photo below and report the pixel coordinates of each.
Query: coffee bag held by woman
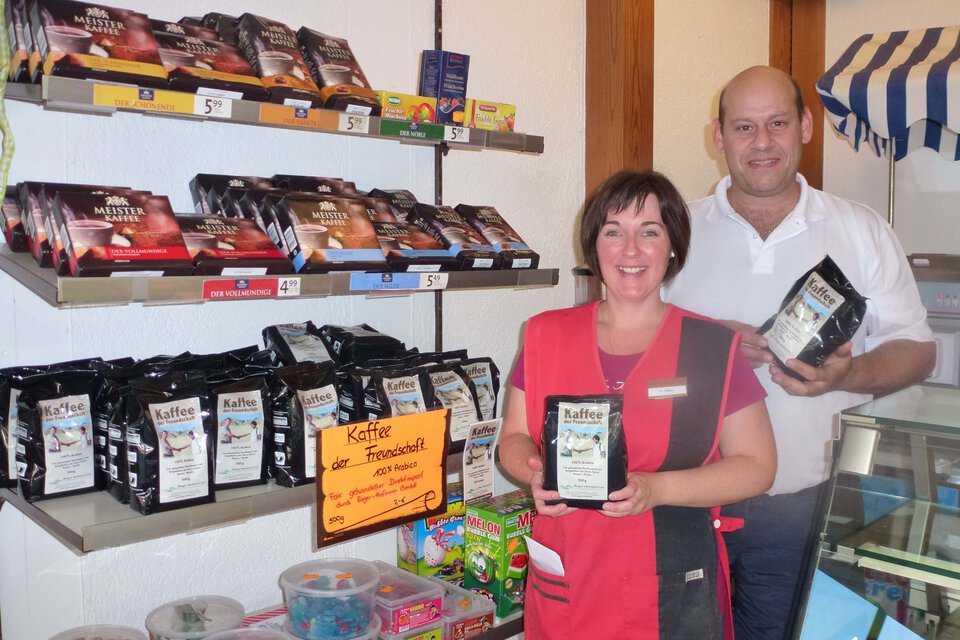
column 650, row 563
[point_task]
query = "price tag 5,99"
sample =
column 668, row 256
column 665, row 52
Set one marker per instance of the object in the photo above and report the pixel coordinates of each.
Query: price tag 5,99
column 353, row 123
column 456, row 134
column 288, row 287
column 212, row 107
column 433, row 280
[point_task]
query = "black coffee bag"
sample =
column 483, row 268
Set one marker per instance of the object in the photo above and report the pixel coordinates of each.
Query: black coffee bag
column 583, row 447
column 241, row 445
column 820, row 312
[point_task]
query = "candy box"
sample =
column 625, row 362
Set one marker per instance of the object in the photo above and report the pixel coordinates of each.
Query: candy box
column 403, row 106
column 434, row 632
column 434, row 546
column 406, row 602
column 492, row 116
column 466, row 614
column 496, row 553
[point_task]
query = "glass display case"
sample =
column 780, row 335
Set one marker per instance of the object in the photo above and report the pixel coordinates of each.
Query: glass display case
column 888, row 565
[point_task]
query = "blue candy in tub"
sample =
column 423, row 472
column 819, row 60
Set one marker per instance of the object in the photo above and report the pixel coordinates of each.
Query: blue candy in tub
column 330, row 598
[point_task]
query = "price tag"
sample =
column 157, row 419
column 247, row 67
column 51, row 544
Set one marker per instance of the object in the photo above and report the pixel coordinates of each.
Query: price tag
column 288, row 287
column 457, row 134
column 352, row 123
column 212, row 107
column 433, row 281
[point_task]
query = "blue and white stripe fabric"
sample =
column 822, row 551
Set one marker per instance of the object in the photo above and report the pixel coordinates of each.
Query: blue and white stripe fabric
column 902, row 86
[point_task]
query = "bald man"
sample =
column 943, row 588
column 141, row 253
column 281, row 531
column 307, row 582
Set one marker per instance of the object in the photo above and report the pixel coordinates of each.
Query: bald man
column 752, row 239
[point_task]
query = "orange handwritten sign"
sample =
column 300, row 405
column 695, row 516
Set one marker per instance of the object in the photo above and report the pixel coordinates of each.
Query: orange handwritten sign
column 375, row 475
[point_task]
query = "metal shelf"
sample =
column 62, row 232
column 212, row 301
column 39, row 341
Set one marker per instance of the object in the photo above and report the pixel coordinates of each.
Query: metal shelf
column 70, row 292
column 88, row 96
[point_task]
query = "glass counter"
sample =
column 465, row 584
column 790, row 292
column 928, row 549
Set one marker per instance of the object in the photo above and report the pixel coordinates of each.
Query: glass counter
column 888, row 564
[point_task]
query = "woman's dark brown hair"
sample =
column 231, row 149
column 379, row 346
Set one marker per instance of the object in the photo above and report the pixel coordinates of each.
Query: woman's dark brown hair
column 628, row 188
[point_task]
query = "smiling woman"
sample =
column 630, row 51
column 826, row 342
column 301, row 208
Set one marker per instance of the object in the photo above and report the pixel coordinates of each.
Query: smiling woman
column 694, row 426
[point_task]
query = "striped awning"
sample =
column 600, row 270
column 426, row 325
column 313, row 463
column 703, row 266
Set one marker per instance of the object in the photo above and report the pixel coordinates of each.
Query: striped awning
column 902, row 87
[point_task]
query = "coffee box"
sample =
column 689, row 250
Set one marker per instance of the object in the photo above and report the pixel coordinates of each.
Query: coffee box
column 273, row 51
column 106, row 234
column 58, row 251
column 456, row 235
column 206, row 189
column 491, row 116
column 315, row 184
column 401, row 201
column 433, row 547
column 32, row 209
column 410, row 248
column 329, row 233
column 496, row 551
column 514, row 252
column 443, row 75
column 343, row 85
column 91, row 41
column 183, row 30
column 13, row 233
column 231, row 247
column 225, row 25
column 208, row 67
column 403, row 106
column 19, row 41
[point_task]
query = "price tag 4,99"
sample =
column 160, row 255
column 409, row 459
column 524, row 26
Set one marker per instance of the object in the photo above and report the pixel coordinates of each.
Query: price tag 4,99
column 288, row 287
column 457, row 134
column 433, row 280
column 353, row 123
column 212, row 107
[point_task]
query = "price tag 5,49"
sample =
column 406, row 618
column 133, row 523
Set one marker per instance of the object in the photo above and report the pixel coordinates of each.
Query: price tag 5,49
column 433, row 280
column 353, row 123
column 212, row 107
column 456, row 134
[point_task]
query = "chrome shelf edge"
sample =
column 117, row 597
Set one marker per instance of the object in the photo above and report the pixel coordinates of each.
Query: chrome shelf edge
column 69, row 292
column 73, row 95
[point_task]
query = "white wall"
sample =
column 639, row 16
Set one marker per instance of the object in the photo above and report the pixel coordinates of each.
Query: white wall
column 539, row 195
column 927, row 186
column 698, row 47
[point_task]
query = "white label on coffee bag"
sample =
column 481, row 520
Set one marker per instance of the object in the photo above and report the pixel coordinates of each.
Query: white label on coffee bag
column 404, row 395
column 184, row 471
column 320, row 410
column 801, row 320
column 11, row 434
column 68, row 449
column 583, row 429
column 452, row 392
column 239, row 437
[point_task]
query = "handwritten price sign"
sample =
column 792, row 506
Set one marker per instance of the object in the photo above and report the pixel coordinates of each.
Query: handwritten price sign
column 372, row 476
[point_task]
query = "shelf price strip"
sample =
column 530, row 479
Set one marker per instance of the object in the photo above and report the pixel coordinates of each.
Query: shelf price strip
column 243, row 288
column 372, row 476
column 460, row 135
column 353, row 123
column 299, row 117
column 397, row 281
column 406, row 130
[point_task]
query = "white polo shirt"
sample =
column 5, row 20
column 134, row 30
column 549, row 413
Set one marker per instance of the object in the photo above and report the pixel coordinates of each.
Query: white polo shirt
column 732, row 274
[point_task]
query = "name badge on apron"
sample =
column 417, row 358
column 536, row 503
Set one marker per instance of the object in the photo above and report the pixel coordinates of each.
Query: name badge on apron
column 668, row 388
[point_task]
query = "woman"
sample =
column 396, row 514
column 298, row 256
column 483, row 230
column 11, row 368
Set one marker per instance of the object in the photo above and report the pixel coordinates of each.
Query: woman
column 650, row 563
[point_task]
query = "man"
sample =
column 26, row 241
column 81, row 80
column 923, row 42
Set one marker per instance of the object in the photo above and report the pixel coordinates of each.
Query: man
column 762, row 229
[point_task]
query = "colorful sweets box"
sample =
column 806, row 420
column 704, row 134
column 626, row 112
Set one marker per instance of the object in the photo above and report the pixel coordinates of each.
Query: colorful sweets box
column 434, row 546
column 406, row 602
column 496, row 553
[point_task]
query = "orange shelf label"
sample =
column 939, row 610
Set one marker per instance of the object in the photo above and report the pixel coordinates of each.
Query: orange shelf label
column 299, row 117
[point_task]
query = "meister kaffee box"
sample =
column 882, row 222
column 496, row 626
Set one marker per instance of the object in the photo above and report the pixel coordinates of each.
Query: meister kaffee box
column 273, row 51
column 329, row 233
column 208, row 67
column 106, row 234
column 81, row 40
column 231, row 247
